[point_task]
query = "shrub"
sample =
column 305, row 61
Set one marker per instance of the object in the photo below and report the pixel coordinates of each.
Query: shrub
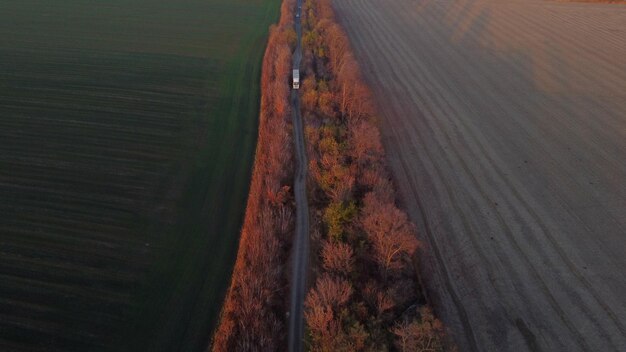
column 391, row 234
column 421, row 335
column 336, row 215
column 337, row 258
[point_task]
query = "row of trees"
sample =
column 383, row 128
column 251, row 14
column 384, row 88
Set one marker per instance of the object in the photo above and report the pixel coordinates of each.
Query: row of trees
column 252, row 317
column 366, row 295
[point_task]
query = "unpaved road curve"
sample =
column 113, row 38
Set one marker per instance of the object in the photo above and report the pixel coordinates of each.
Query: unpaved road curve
column 505, row 126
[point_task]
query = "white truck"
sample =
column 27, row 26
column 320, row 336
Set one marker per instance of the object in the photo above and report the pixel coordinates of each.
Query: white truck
column 296, row 79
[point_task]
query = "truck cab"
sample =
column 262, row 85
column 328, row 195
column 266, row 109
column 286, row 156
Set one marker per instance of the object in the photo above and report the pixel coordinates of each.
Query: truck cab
column 296, row 79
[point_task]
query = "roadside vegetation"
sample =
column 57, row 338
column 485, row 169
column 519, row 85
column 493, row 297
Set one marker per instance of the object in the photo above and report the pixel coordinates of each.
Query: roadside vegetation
column 253, row 315
column 365, row 295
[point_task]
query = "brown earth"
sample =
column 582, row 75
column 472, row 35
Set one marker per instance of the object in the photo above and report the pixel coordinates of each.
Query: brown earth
column 505, row 126
column 598, row 1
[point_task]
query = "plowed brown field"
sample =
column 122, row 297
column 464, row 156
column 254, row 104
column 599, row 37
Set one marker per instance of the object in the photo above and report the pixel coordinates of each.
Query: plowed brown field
column 505, row 126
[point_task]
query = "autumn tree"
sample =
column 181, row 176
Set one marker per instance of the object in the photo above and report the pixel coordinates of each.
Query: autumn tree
column 333, row 175
column 337, row 257
column 329, row 291
column 324, row 328
column 323, row 304
column 351, row 308
column 424, row 335
column 336, row 216
column 310, row 39
column 291, row 37
column 309, row 93
column 252, row 314
column 377, row 298
column 354, row 95
column 364, row 142
column 391, row 234
column 326, row 99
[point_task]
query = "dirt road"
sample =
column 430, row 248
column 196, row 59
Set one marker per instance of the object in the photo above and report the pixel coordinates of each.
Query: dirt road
column 505, row 126
column 300, row 252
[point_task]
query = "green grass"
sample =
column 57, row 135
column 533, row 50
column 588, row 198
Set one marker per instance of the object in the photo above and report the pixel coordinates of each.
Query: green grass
column 127, row 132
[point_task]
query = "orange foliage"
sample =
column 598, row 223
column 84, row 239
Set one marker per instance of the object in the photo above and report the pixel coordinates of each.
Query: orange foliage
column 310, row 96
column 364, row 142
column 390, row 232
column 324, row 304
column 329, row 291
column 252, row 315
column 353, row 306
column 337, row 258
column 420, row 336
column 353, row 96
column 323, row 326
column 329, row 168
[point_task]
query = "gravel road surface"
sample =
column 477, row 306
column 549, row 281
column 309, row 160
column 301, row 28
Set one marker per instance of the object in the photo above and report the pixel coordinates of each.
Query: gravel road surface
column 300, row 252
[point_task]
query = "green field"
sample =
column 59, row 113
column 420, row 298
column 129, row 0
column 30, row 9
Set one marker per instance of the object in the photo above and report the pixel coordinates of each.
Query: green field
column 127, row 133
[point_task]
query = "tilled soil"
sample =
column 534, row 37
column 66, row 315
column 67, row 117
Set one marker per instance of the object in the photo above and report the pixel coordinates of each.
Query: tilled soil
column 505, row 126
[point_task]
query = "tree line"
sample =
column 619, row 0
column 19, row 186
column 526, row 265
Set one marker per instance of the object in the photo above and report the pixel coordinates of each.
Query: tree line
column 253, row 314
column 364, row 293
column 365, row 296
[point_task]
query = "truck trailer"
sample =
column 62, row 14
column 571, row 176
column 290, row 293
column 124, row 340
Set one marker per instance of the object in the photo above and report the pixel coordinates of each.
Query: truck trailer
column 296, row 79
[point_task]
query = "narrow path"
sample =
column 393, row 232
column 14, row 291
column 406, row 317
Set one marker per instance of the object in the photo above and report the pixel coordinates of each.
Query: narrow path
column 301, row 242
